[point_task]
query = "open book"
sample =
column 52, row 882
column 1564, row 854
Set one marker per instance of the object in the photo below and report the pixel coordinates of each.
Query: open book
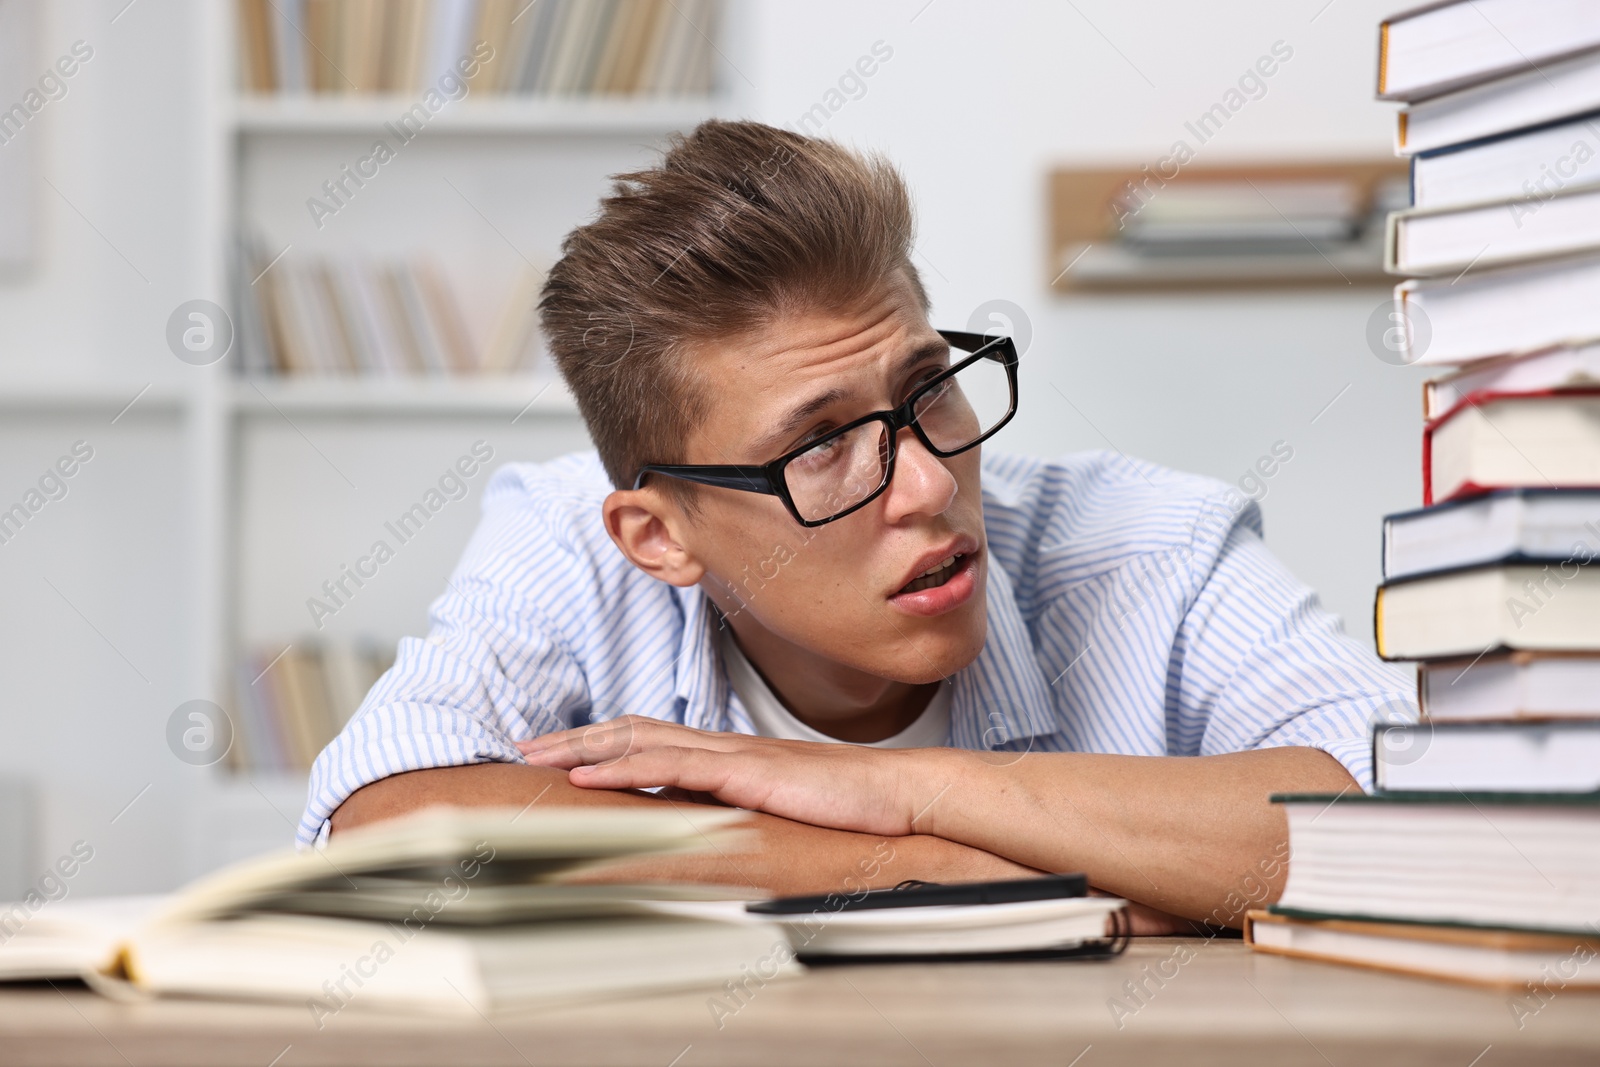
column 450, row 910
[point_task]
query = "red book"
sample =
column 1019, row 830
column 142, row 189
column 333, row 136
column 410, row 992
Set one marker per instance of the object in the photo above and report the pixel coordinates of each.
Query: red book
column 1543, row 440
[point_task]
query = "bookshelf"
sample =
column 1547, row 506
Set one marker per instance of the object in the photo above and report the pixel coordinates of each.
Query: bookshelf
column 291, row 474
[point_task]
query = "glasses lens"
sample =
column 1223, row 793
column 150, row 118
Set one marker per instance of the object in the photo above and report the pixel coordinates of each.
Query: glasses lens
column 966, row 405
column 839, row 472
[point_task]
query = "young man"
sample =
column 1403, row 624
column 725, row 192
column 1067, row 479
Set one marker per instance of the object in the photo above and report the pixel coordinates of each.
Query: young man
column 788, row 540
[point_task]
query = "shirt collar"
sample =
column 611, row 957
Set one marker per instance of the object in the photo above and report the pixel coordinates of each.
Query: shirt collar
column 999, row 699
column 702, row 684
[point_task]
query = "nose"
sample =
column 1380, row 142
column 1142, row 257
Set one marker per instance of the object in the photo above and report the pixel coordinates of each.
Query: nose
column 922, row 484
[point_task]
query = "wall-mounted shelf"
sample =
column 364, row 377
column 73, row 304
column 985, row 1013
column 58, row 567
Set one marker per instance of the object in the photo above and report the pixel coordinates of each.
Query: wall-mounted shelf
column 1133, row 228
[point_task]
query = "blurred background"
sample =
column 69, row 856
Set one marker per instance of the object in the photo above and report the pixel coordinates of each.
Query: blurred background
column 262, row 344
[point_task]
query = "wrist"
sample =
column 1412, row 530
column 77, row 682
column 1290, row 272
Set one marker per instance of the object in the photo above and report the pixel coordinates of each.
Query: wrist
column 940, row 783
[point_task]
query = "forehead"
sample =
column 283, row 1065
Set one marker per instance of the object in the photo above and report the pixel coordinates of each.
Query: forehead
column 758, row 378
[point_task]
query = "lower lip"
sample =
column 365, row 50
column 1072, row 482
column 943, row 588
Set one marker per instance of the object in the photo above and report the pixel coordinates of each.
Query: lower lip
column 942, row 598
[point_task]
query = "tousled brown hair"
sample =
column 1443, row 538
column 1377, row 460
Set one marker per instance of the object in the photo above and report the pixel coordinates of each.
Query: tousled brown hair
column 738, row 224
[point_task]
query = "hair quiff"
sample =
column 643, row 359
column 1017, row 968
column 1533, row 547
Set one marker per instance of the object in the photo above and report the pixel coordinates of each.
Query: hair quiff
column 739, row 224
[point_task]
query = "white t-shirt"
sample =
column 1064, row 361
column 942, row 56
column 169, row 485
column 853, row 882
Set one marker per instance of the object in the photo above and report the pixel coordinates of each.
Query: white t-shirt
column 931, row 729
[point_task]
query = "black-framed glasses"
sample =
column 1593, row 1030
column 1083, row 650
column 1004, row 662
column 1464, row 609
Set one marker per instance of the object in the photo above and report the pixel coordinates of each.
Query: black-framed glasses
column 845, row 469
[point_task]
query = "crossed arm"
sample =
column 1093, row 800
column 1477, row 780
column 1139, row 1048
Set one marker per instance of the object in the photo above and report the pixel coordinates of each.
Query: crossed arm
column 1193, row 837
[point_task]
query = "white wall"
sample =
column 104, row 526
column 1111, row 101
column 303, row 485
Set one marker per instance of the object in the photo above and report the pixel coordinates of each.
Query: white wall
column 90, row 670
column 976, row 102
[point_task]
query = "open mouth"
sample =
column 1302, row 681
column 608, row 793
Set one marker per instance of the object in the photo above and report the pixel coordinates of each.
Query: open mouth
column 935, row 576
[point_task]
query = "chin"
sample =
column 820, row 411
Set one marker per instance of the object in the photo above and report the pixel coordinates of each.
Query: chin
column 940, row 650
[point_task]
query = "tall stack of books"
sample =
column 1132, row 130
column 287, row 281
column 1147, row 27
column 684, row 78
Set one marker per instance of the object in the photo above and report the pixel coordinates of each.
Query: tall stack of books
column 554, row 47
column 1478, row 857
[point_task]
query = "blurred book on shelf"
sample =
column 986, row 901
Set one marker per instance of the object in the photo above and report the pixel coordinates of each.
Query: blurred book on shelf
column 553, row 47
column 1475, row 858
column 355, row 315
column 1306, row 224
column 294, row 700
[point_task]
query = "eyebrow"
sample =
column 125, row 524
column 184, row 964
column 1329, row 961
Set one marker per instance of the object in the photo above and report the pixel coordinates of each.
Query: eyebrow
column 803, row 413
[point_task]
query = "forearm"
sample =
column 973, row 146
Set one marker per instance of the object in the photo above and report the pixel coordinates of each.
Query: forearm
column 1195, row 836
column 789, row 857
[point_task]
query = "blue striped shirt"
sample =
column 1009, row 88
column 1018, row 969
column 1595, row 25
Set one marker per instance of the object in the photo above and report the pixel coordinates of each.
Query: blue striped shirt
column 1131, row 609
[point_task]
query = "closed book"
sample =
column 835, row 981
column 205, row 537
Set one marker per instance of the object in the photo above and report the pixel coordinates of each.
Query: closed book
column 286, row 21
column 1455, row 953
column 1440, row 47
column 1557, row 369
column 444, row 314
column 1512, row 685
column 628, row 74
column 449, row 38
column 601, row 33
column 402, row 45
column 626, row 20
column 298, row 686
column 1527, row 166
column 1026, row 926
column 1502, row 312
column 669, row 70
column 1557, row 90
column 565, row 68
column 1488, row 441
column 544, row 19
column 547, row 67
column 513, row 345
column 1432, row 241
column 1531, row 606
column 1504, row 525
column 1527, row 861
column 494, row 30
column 1488, row 757
column 259, row 73
column 470, row 972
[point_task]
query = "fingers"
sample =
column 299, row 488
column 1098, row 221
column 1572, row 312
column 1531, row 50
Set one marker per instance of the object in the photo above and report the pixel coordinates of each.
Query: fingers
column 603, row 742
column 695, row 770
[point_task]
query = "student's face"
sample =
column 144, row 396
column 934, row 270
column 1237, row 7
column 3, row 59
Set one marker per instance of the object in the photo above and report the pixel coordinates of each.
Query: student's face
column 837, row 589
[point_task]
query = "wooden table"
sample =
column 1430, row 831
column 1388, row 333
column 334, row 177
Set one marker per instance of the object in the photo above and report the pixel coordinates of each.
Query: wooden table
column 1218, row 1004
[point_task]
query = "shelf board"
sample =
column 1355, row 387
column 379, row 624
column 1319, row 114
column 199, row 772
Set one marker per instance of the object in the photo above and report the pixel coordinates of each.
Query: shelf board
column 501, row 114
column 438, row 396
column 78, row 395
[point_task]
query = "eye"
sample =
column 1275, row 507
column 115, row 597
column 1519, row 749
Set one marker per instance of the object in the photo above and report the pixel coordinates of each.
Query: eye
column 924, row 376
column 812, row 435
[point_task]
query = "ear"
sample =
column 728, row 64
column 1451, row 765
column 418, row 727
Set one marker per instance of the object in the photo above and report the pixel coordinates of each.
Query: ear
column 645, row 527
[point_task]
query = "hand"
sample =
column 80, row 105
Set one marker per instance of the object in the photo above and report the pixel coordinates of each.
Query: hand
column 842, row 786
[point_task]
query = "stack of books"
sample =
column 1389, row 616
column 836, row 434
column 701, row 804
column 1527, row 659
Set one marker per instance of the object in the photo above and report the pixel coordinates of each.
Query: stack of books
column 553, row 47
column 294, row 701
column 1478, row 858
column 351, row 315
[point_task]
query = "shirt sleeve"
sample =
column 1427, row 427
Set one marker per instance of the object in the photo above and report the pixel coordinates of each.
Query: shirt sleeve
column 492, row 670
column 1263, row 665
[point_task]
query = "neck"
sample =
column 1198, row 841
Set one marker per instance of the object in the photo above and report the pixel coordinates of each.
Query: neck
column 831, row 698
